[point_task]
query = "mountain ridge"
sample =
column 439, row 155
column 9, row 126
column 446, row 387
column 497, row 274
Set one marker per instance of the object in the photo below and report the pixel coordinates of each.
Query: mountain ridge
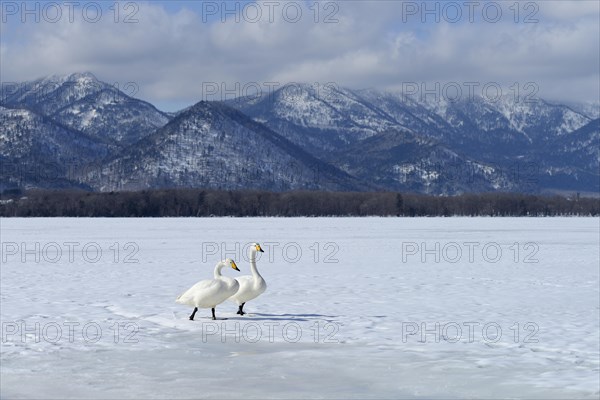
column 351, row 139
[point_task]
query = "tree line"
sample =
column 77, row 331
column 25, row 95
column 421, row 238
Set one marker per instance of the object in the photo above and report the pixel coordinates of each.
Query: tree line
column 204, row 203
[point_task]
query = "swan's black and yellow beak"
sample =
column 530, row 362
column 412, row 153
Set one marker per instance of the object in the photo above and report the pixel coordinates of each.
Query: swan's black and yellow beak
column 258, row 248
column 234, row 266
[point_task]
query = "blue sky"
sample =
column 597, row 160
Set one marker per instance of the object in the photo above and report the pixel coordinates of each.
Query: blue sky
column 177, row 52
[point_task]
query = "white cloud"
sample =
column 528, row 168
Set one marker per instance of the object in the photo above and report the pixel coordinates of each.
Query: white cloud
column 170, row 54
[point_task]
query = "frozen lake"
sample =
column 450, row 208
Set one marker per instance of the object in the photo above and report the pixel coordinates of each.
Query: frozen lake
column 355, row 308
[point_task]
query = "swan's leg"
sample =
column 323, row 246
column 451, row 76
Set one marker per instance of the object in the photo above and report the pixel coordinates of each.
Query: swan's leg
column 193, row 314
column 213, row 313
column 241, row 309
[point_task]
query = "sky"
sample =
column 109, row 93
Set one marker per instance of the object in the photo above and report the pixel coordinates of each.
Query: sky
column 175, row 53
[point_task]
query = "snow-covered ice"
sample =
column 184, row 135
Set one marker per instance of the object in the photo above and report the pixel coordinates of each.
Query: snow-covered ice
column 355, row 308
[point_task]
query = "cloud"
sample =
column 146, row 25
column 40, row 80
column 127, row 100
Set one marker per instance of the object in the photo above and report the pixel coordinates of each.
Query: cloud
column 567, row 10
column 171, row 53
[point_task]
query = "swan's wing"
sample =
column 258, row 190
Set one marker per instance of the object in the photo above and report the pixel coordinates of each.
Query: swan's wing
column 249, row 289
column 204, row 288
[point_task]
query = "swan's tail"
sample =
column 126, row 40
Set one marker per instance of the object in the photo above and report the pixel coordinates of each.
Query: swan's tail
column 183, row 298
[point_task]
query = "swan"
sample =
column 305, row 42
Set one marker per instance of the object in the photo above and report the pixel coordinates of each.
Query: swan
column 211, row 292
column 251, row 286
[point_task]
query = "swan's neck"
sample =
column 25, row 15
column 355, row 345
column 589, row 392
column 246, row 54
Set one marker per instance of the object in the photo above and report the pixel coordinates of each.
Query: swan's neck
column 253, row 268
column 218, row 269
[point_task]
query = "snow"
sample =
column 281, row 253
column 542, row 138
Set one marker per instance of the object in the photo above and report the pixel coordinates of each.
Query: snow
column 89, row 118
column 363, row 284
column 328, row 107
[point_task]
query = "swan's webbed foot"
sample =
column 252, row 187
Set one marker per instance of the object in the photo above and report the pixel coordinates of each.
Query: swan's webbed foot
column 241, row 309
column 213, row 314
column 193, row 314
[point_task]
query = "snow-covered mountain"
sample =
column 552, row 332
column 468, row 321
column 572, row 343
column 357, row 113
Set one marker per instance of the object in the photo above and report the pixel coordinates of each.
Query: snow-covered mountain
column 213, row 145
column 513, row 137
column 575, row 160
column 48, row 95
column 38, row 152
column 84, row 103
column 111, row 114
column 319, row 119
column 590, row 109
column 298, row 137
column 403, row 160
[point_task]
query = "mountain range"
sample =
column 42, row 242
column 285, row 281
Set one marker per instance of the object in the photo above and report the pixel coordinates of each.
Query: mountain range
column 76, row 131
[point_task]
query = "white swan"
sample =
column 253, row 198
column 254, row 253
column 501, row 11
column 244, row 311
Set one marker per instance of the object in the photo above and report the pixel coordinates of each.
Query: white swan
column 251, row 286
column 211, row 292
